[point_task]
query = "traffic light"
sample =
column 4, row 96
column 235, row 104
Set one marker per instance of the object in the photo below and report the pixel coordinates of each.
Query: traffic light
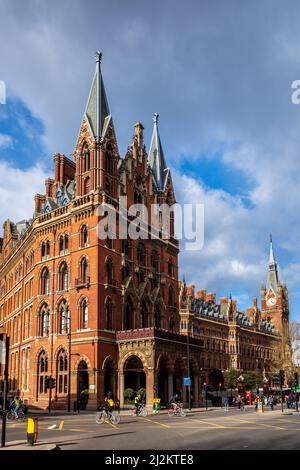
column 281, row 377
column 276, row 378
column 53, row 382
column 296, row 379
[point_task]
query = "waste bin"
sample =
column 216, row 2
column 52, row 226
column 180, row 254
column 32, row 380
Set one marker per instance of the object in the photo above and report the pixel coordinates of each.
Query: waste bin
column 156, row 405
column 32, row 430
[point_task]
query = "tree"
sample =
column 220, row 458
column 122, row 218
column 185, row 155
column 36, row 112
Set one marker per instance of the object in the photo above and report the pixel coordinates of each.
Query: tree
column 230, row 378
column 252, row 380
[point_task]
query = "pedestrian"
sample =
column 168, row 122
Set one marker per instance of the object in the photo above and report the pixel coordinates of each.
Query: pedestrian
column 226, row 403
column 271, row 401
column 239, row 402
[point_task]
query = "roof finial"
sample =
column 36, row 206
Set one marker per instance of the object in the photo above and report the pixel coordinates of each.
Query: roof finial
column 98, row 57
column 155, row 118
column 271, row 241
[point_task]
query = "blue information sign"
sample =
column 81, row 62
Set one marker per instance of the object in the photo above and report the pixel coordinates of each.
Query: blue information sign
column 187, row 381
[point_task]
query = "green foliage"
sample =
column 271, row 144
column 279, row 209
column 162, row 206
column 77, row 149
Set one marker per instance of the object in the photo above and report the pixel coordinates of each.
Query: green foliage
column 129, row 394
column 142, row 392
column 253, row 380
column 230, row 378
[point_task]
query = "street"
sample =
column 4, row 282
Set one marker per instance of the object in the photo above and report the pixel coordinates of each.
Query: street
column 214, row 429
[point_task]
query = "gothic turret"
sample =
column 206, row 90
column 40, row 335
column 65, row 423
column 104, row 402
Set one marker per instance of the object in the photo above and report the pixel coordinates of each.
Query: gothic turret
column 157, row 159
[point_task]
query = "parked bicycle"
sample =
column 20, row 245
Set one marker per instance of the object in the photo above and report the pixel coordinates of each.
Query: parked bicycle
column 176, row 410
column 106, row 415
column 141, row 411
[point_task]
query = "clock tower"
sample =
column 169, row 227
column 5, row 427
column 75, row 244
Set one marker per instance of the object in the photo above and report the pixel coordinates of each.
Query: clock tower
column 275, row 304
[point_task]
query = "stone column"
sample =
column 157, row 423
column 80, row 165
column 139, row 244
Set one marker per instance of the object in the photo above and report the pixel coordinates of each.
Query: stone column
column 121, row 388
column 149, row 387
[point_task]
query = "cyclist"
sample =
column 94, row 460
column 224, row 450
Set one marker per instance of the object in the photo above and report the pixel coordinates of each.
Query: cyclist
column 17, row 403
column 175, row 402
column 138, row 403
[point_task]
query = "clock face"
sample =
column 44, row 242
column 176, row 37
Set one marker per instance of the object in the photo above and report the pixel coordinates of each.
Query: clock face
column 271, row 301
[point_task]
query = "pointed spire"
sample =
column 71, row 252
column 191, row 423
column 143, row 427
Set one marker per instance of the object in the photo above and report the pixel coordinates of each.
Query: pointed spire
column 97, row 106
column 273, row 278
column 156, row 157
column 272, row 257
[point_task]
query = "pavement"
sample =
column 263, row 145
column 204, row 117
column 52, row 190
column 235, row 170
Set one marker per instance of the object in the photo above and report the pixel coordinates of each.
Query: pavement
column 200, row 429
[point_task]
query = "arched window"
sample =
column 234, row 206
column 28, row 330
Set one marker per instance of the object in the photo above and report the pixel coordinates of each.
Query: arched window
column 62, row 372
column 83, row 236
column 109, row 271
column 87, row 185
column 84, row 270
column 86, row 157
column 63, row 244
column 83, row 314
column 45, row 282
column 63, row 277
column 42, row 372
column 64, row 319
column 108, row 315
column 44, row 329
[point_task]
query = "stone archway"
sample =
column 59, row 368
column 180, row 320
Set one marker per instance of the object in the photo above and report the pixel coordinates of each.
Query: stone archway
column 179, row 370
column 164, row 379
column 134, row 374
column 109, row 377
column 82, row 384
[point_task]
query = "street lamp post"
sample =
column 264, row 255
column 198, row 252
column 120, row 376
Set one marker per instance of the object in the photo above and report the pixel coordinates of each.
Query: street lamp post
column 188, row 365
column 220, row 385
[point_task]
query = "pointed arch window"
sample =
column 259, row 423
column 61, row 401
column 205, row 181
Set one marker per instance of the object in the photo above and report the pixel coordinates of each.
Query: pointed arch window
column 86, row 157
column 108, row 314
column 42, row 372
column 44, row 323
column 45, row 282
column 83, row 236
column 84, row 269
column 63, row 277
column 62, row 372
column 171, row 296
column 128, row 322
column 84, row 314
column 109, row 271
column 87, row 185
column 64, row 318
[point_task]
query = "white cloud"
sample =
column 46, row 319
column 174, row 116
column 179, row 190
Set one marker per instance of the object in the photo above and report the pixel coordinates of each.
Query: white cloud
column 6, row 141
column 17, row 190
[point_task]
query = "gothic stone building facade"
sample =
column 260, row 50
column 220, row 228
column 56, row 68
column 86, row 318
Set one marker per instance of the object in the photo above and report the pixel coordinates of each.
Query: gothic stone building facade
column 103, row 310
column 255, row 340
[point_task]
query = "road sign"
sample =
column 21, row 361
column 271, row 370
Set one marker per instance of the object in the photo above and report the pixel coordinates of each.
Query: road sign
column 187, row 381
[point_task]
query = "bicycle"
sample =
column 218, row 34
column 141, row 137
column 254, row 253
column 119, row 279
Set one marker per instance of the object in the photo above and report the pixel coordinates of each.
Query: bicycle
column 141, row 411
column 104, row 416
column 177, row 410
column 12, row 416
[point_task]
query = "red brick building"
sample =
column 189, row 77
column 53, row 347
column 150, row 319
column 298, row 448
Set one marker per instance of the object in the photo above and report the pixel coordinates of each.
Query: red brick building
column 255, row 340
column 101, row 314
column 103, row 310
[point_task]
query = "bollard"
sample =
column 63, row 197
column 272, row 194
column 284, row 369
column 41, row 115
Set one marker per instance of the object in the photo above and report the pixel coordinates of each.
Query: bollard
column 32, row 430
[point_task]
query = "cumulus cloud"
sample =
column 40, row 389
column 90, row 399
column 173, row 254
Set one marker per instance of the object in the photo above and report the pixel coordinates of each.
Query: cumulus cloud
column 17, row 189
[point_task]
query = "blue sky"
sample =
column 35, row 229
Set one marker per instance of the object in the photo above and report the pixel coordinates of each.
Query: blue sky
column 222, row 88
